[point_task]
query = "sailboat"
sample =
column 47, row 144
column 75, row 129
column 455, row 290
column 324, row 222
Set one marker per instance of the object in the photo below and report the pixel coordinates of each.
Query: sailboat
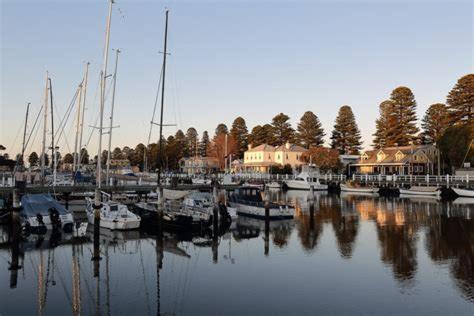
column 113, row 215
column 41, row 212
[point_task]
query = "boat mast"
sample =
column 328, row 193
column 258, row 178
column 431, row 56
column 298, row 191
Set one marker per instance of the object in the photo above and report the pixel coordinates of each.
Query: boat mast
column 102, row 93
column 45, row 127
column 53, row 146
column 112, row 116
column 162, row 100
column 84, row 92
column 78, row 122
column 24, row 133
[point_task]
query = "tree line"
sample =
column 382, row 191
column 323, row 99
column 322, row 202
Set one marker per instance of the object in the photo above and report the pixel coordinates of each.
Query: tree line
column 449, row 125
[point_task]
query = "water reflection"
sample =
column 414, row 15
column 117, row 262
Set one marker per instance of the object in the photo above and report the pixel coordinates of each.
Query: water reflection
column 142, row 272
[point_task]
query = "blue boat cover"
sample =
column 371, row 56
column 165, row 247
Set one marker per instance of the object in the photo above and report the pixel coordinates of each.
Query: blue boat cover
column 33, row 204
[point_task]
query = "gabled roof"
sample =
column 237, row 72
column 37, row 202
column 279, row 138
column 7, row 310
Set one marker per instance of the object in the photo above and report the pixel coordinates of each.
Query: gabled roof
column 262, row 147
column 391, row 152
column 292, row 148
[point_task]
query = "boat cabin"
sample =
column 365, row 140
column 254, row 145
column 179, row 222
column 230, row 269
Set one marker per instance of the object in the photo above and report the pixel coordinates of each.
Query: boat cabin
column 250, row 194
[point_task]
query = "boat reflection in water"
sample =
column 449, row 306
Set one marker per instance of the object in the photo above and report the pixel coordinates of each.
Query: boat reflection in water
column 404, row 251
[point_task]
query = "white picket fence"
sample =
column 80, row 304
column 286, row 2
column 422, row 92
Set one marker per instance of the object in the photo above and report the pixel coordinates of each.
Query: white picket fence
column 417, row 179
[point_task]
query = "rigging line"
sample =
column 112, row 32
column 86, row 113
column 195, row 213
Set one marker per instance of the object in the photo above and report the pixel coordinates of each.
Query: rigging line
column 66, row 118
column 34, row 139
column 33, row 128
column 157, row 96
column 16, row 137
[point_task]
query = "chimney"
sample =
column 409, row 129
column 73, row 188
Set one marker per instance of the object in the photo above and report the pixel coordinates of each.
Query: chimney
column 287, row 145
column 250, row 146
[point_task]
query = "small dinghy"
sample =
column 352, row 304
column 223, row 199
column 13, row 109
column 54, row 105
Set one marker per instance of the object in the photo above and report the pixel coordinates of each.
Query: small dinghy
column 418, row 190
column 347, row 187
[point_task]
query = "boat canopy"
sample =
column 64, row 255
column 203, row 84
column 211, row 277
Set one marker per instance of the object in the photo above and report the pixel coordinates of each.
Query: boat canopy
column 34, row 204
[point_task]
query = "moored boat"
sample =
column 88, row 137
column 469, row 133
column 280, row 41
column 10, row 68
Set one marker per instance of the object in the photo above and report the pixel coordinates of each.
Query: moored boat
column 41, row 212
column 357, row 189
column 113, row 215
column 418, row 190
column 248, row 202
column 308, row 178
column 463, row 192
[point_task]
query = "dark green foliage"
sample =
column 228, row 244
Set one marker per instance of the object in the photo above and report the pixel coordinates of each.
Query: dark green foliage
column 239, row 133
column 455, row 144
column 310, row 132
column 282, row 131
column 346, row 135
column 33, row 159
column 205, row 141
column 434, row 123
column 460, row 101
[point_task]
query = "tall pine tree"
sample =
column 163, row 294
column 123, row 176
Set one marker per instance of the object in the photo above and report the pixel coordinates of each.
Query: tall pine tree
column 239, row 133
column 204, row 144
column 261, row 135
column 192, row 141
column 435, row 122
column 282, row 130
column 383, row 134
column 404, row 128
column 221, row 129
column 346, row 135
column 310, row 132
column 461, row 101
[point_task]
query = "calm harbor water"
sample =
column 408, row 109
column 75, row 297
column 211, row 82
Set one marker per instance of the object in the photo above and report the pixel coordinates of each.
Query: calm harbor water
column 355, row 255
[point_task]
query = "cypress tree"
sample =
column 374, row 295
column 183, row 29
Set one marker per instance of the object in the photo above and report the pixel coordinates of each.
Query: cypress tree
column 460, row 101
column 434, row 123
column 382, row 135
column 404, row 127
column 310, row 132
column 204, row 144
column 240, row 135
column 346, row 135
column 282, row 130
column 192, row 140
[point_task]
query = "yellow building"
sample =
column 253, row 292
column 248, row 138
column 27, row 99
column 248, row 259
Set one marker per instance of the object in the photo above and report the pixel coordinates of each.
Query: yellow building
column 403, row 160
column 263, row 157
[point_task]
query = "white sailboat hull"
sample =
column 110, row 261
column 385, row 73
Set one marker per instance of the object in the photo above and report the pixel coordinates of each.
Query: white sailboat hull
column 303, row 185
column 420, row 193
column 464, row 192
column 114, row 224
column 345, row 188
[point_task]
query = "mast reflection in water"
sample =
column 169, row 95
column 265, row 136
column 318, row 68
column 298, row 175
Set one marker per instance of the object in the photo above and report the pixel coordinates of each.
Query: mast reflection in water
column 341, row 254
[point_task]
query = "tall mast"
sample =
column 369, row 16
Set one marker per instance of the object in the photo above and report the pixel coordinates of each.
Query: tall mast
column 117, row 52
column 24, row 133
column 162, row 100
column 78, row 123
column 53, row 146
column 102, row 93
column 45, row 127
column 84, row 93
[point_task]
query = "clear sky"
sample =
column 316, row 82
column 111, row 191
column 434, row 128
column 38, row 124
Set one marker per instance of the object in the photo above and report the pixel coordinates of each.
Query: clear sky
column 231, row 58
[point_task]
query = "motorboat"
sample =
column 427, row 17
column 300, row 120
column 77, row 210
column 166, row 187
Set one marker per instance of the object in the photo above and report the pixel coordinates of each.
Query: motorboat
column 463, row 192
column 248, row 202
column 308, row 178
column 419, row 190
column 348, row 187
column 41, row 212
column 113, row 215
column 201, row 181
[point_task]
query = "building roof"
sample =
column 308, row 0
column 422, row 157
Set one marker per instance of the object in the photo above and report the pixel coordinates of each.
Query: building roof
column 390, row 154
column 291, row 148
column 262, row 147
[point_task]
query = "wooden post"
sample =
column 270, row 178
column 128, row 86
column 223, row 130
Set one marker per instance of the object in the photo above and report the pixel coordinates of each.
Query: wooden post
column 215, row 211
column 161, row 209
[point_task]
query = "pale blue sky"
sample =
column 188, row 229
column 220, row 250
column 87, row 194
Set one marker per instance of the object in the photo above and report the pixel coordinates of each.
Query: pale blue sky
column 230, row 58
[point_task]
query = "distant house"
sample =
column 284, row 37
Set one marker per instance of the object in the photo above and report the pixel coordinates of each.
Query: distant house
column 199, row 165
column 263, row 157
column 403, row 160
